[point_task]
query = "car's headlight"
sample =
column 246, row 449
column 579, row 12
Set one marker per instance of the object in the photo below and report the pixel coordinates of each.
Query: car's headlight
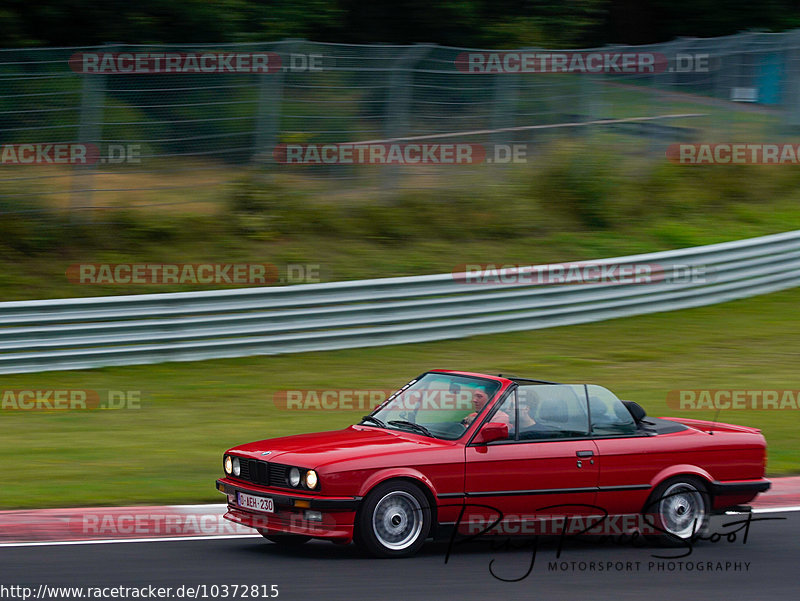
column 228, row 464
column 294, row 477
column 311, row 479
column 237, row 467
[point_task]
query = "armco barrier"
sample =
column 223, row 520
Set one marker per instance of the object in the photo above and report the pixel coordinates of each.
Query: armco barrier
column 80, row 333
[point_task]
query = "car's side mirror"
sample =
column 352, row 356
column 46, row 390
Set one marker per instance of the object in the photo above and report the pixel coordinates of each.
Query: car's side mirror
column 490, row 432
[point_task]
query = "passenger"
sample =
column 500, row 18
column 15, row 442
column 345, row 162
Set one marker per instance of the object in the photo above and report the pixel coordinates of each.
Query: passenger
column 479, row 400
column 527, row 409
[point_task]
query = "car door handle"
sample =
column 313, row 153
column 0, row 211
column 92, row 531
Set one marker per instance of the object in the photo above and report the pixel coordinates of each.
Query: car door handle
column 584, row 453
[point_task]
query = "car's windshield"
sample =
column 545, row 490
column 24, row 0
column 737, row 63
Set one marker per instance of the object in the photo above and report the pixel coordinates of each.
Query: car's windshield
column 436, row 404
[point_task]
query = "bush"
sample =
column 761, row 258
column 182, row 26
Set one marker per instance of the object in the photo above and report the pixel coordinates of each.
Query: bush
column 577, row 182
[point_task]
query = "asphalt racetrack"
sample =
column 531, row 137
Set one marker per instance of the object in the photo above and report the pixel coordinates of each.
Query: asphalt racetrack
column 765, row 567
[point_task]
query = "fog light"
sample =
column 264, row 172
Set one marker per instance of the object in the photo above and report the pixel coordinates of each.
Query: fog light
column 232, row 499
column 314, row 516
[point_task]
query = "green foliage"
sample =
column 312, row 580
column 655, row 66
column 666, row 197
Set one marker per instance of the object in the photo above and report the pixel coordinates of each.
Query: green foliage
column 661, row 20
column 571, row 187
column 21, row 233
column 465, row 23
column 565, row 24
column 578, row 183
column 572, row 201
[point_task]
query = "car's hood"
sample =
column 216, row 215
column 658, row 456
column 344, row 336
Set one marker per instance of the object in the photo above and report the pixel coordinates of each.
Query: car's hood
column 322, row 448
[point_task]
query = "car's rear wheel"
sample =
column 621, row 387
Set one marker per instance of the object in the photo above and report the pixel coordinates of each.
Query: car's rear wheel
column 394, row 520
column 285, row 540
column 680, row 507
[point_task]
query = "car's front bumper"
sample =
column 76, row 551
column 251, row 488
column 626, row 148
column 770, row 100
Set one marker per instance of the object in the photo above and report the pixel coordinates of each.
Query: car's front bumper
column 334, row 516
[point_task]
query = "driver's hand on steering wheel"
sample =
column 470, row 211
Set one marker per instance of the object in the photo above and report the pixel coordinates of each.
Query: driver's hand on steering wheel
column 468, row 419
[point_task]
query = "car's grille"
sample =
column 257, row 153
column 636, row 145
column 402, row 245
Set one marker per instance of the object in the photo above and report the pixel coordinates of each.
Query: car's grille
column 263, row 472
column 277, row 475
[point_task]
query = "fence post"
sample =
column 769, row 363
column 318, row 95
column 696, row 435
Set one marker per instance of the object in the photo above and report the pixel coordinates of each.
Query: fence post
column 89, row 132
column 504, row 101
column 268, row 107
column 398, row 122
column 665, row 86
column 591, row 97
column 791, row 93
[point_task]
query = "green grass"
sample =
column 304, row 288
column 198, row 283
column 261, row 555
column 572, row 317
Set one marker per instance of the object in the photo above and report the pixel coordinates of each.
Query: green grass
column 169, row 451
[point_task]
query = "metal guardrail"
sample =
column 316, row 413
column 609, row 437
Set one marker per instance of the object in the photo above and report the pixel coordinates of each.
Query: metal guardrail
column 78, row 333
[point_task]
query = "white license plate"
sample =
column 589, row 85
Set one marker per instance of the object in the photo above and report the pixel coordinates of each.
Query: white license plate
column 264, row 504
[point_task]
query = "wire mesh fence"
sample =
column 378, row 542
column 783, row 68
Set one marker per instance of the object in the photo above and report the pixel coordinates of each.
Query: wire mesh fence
column 120, row 125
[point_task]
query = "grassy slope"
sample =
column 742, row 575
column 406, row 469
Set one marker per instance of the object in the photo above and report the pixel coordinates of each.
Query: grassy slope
column 578, row 202
column 31, row 276
column 169, row 450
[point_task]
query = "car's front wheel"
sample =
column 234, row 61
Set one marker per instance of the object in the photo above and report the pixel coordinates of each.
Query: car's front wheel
column 394, row 520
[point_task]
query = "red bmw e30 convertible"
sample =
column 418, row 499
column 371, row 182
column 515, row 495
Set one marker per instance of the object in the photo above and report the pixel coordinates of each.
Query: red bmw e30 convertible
column 453, row 446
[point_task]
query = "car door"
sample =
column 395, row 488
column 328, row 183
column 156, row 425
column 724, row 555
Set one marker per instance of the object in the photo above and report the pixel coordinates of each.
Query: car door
column 549, row 470
column 628, row 458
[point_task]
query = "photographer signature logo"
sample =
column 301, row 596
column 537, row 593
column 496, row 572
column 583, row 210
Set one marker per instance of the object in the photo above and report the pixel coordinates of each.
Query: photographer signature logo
column 581, row 528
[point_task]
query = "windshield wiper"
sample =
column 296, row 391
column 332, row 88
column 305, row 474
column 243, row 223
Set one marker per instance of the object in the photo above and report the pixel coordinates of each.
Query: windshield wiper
column 374, row 420
column 412, row 425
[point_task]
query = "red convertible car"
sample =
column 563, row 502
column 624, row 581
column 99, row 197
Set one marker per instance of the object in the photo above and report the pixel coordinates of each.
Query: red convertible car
column 455, row 447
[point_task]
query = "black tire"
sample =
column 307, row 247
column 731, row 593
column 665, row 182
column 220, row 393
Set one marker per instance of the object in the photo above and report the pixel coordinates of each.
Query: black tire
column 285, row 540
column 394, row 520
column 680, row 508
